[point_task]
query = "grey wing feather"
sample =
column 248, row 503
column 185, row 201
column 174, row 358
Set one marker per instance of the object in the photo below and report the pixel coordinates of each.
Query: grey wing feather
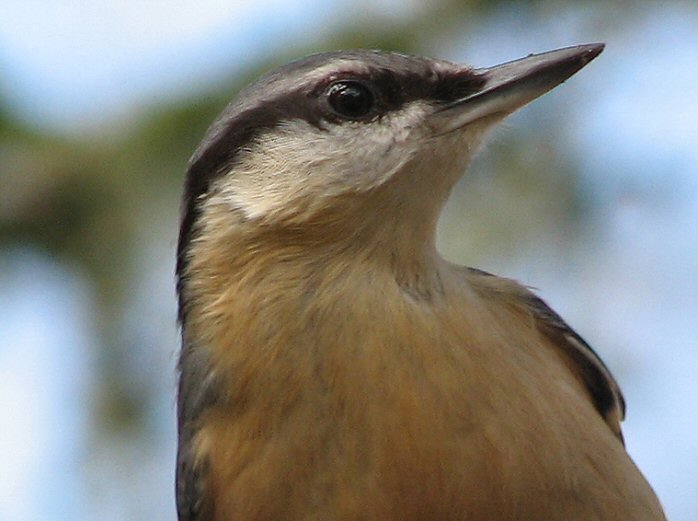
column 197, row 386
column 598, row 379
column 602, row 387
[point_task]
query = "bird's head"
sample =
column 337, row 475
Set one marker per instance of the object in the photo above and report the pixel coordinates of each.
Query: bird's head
column 345, row 142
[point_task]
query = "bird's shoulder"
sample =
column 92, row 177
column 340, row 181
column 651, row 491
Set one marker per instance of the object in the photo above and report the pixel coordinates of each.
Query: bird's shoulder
column 603, row 389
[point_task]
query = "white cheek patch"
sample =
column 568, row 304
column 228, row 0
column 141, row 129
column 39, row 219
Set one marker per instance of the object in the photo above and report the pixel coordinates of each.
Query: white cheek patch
column 299, row 165
column 361, row 156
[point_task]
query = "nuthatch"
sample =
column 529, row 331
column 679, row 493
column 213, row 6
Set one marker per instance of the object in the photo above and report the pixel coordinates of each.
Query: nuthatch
column 334, row 367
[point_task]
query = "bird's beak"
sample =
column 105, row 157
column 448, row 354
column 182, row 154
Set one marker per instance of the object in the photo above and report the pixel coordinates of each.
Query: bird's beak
column 512, row 85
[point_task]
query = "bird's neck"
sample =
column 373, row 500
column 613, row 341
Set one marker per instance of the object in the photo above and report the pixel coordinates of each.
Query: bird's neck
column 246, row 271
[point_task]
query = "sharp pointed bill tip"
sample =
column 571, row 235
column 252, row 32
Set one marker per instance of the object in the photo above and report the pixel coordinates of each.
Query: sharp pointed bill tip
column 511, row 85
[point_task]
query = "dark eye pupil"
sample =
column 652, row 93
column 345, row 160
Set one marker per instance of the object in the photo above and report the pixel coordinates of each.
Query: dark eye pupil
column 350, row 99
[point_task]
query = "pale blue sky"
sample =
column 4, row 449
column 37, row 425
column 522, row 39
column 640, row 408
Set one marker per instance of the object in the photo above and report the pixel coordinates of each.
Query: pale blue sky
column 66, row 61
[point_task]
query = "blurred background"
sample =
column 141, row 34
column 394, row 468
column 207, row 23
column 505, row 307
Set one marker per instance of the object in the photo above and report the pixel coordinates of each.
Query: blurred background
column 589, row 195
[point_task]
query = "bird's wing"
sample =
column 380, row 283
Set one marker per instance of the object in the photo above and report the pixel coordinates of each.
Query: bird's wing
column 602, row 387
column 196, row 394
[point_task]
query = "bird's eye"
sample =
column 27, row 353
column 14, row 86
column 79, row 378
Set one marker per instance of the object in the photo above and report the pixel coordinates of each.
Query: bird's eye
column 350, row 99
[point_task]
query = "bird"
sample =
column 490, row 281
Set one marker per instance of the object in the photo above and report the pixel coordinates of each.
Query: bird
column 333, row 365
